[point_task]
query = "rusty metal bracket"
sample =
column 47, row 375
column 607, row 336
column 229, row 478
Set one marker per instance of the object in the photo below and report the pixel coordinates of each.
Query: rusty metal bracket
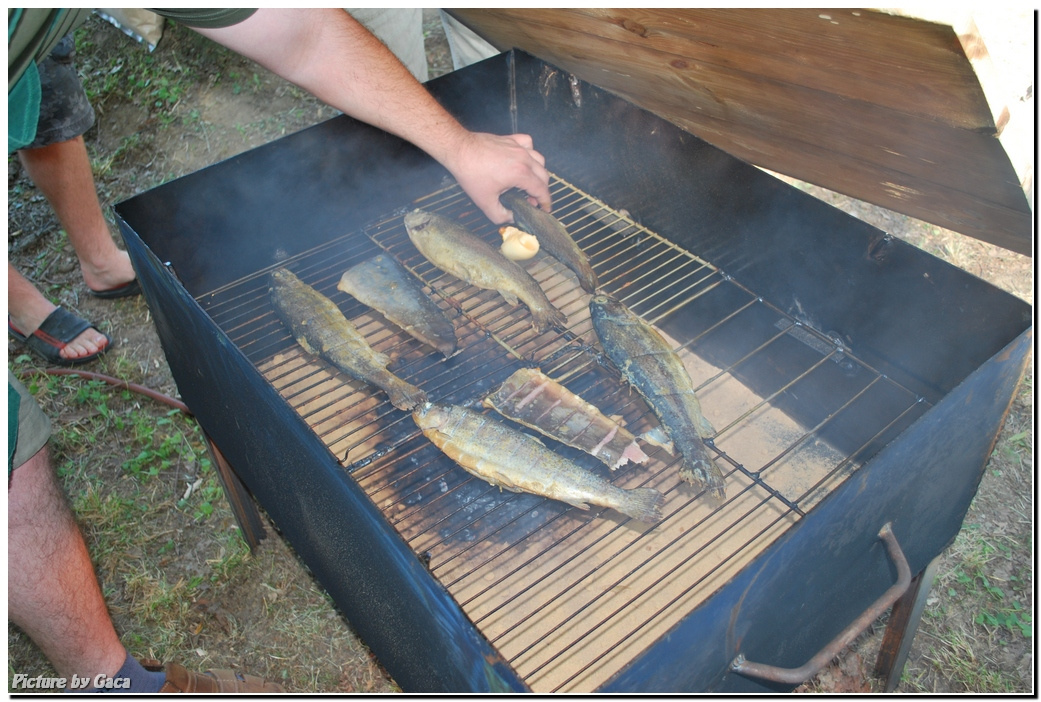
column 242, row 505
column 803, row 673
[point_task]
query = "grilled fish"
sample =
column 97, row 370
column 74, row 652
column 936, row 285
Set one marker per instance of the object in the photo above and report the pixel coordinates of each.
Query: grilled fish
column 455, row 250
column 384, row 285
column 653, row 368
column 318, row 325
column 552, row 235
column 512, row 460
column 535, row 400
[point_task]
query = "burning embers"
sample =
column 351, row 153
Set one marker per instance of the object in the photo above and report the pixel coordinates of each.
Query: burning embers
column 493, row 450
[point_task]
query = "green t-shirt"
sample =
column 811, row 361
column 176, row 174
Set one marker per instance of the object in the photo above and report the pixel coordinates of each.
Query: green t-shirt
column 33, row 32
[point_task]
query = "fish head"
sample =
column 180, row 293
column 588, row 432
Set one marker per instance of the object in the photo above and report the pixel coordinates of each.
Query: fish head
column 603, row 306
column 512, row 198
column 282, row 277
column 417, row 220
column 429, row 416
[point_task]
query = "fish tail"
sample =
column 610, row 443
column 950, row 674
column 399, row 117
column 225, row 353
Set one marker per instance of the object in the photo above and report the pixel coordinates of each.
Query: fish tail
column 633, row 453
column 643, row 504
column 658, row 437
column 587, row 279
column 705, row 474
column 406, row 397
column 547, row 318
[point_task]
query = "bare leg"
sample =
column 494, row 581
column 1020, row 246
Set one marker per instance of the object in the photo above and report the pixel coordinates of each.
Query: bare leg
column 27, row 308
column 62, row 173
column 53, row 593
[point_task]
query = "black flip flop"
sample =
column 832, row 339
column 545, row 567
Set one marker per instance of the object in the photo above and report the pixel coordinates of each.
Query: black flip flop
column 55, row 333
column 125, row 290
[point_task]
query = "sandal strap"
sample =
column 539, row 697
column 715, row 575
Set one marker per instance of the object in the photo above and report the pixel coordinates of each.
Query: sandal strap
column 61, row 327
column 179, row 679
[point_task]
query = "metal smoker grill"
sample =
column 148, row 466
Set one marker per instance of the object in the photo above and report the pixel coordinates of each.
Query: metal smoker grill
column 823, row 445
column 559, row 592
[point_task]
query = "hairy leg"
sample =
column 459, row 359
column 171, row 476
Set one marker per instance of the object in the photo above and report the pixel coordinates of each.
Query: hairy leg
column 62, row 173
column 53, row 592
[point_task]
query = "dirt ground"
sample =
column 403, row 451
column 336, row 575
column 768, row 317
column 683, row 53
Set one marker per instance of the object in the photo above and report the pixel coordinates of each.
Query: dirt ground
column 262, row 612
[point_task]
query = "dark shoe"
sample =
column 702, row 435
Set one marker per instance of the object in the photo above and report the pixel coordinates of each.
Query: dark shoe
column 125, row 290
column 178, row 679
column 55, row 333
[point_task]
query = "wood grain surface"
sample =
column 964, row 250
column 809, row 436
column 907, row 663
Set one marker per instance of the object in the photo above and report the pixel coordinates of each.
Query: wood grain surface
column 883, row 108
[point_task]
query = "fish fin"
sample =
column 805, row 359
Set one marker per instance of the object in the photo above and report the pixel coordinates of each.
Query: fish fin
column 705, row 427
column 306, row 346
column 657, row 437
column 643, row 504
column 509, row 297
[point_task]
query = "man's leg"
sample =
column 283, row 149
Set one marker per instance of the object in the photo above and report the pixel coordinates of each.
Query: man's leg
column 27, row 308
column 62, row 173
column 53, row 593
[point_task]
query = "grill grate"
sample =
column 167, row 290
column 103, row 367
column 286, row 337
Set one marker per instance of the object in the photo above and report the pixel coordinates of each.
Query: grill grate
column 567, row 596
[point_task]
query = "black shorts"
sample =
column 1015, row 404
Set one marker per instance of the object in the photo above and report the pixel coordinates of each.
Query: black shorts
column 65, row 112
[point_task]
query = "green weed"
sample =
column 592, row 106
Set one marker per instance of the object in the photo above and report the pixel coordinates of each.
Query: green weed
column 165, row 443
column 155, row 81
column 998, row 606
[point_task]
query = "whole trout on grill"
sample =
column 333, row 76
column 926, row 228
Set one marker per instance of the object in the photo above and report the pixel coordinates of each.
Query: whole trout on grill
column 384, row 285
column 512, row 460
column 532, row 398
column 552, row 235
column 318, row 325
column 455, row 250
column 648, row 362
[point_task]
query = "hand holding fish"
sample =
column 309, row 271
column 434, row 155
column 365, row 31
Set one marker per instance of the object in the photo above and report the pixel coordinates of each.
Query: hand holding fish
column 488, row 165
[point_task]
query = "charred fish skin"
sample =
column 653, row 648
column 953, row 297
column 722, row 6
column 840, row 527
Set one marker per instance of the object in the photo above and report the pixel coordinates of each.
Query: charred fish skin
column 553, row 237
column 533, row 399
column 512, row 460
column 320, row 328
column 650, row 365
column 386, row 286
column 457, row 251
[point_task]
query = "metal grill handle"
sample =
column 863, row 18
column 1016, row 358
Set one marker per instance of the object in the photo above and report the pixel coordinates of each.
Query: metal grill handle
column 803, row 673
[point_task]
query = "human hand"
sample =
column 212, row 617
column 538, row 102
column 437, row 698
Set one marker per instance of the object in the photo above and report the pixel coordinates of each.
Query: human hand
column 488, row 165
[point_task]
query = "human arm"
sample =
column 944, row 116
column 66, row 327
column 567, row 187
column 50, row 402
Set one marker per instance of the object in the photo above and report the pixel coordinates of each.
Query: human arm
column 332, row 56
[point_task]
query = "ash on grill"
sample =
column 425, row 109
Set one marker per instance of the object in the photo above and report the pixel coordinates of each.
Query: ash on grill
column 567, row 595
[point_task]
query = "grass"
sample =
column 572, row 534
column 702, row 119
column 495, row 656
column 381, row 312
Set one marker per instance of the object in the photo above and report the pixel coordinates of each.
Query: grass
column 157, row 82
column 957, row 658
column 131, row 521
column 997, row 599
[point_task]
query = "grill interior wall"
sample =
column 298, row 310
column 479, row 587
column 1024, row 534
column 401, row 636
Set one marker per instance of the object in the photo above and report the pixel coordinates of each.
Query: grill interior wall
column 568, row 596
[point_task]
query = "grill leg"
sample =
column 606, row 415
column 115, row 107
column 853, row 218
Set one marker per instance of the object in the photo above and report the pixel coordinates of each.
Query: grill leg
column 242, row 506
column 901, row 628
